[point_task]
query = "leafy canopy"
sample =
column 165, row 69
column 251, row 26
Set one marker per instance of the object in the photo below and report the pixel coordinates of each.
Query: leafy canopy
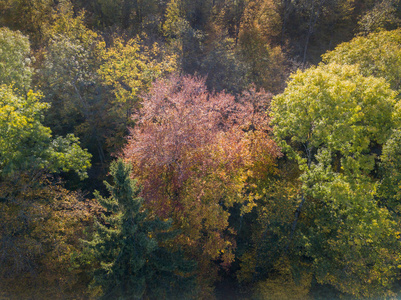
column 378, row 54
column 25, row 143
column 197, row 155
column 334, row 106
column 14, row 59
column 330, row 118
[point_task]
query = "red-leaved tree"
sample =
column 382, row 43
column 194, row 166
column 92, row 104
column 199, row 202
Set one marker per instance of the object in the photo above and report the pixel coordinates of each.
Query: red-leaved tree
column 196, row 154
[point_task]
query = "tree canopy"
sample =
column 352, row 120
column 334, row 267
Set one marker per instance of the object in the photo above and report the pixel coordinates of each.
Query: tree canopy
column 15, row 60
column 252, row 149
column 27, row 144
column 327, row 118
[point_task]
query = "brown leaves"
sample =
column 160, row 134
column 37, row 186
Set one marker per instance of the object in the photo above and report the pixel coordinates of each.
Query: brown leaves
column 41, row 229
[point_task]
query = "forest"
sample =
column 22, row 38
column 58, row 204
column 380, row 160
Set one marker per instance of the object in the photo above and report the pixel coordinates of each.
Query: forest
column 200, row 149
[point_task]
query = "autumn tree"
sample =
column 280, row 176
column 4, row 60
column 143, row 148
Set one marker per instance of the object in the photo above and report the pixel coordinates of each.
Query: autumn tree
column 40, row 233
column 327, row 121
column 383, row 15
column 265, row 63
column 29, row 16
column 133, row 263
column 193, row 152
column 183, row 39
column 128, row 69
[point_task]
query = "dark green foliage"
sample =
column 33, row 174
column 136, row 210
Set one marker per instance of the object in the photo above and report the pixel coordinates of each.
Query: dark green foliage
column 132, row 263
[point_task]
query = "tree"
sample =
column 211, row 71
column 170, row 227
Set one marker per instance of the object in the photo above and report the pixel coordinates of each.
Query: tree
column 378, row 54
column 231, row 15
column 110, row 12
column 266, row 65
column 26, row 144
column 283, row 284
column 128, row 69
column 134, row 17
column 15, row 62
column 183, row 39
column 223, row 68
column 266, row 17
column 320, row 18
column 264, row 265
column 41, row 228
column 382, row 16
column 310, row 27
column 93, row 88
column 133, row 263
column 29, row 16
column 327, row 120
column 70, row 81
column 193, row 152
column 389, row 170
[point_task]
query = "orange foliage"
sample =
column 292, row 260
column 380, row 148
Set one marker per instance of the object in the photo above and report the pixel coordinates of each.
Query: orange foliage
column 195, row 152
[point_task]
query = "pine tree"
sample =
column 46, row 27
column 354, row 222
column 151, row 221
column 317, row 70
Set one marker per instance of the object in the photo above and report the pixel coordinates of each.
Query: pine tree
column 132, row 264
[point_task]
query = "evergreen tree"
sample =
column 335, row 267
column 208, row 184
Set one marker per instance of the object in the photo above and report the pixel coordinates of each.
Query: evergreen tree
column 132, row 264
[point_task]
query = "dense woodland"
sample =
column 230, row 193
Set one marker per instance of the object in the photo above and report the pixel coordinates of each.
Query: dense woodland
column 200, row 149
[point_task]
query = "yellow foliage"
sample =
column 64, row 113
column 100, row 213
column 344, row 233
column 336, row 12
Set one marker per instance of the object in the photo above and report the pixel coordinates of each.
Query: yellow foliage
column 66, row 24
column 130, row 67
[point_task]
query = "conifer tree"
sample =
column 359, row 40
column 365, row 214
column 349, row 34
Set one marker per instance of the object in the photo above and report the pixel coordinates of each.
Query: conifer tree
column 132, row 264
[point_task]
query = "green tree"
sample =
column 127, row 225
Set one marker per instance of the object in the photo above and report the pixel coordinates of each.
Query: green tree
column 183, row 39
column 328, row 120
column 133, row 264
column 378, row 54
column 128, row 69
column 70, row 81
column 135, row 17
column 14, row 59
column 266, row 66
column 308, row 27
column 390, row 175
column 93, row 89
column 26, row 144
column 111, row 12
column 223, row 68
